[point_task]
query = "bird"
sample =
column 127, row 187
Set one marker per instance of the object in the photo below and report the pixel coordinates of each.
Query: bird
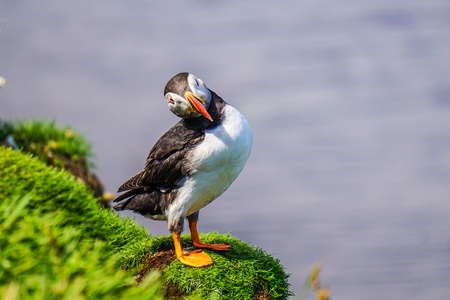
column 191, row 164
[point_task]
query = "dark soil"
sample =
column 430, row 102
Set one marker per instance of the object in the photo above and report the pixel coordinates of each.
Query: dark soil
column 159, row 261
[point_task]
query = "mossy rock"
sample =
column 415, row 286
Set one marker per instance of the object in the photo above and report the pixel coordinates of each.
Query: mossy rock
column 57, row 146
column 245, row 272
column 57, row 243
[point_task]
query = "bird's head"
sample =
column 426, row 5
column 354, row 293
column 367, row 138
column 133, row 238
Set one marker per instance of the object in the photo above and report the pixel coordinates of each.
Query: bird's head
column 187, row 96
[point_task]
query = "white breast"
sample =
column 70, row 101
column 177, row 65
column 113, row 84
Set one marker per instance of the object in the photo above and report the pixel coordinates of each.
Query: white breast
column 215, row 163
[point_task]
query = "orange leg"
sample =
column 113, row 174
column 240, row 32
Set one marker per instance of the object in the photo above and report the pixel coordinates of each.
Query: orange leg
column 196, row 258
column 196, row 240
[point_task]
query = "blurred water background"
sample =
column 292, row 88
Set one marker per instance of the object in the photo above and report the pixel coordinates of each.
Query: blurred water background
column 349, row 102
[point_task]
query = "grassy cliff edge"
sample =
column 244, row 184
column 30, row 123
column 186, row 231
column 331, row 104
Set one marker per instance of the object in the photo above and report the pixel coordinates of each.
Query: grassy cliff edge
column 58, row 243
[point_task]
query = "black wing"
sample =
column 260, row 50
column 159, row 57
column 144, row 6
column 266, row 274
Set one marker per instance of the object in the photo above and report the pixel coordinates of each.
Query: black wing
column 165, row 163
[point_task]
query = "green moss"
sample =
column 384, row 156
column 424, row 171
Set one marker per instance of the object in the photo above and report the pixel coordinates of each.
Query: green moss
column 57, row 146
column 57, row 243
column 47, row 140
column 236, row 274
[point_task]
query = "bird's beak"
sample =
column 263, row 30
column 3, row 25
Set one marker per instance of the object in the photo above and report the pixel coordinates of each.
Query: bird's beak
column 197, row 105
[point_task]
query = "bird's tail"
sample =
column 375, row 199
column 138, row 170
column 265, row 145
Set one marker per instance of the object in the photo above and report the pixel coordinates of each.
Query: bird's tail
column 122, row 205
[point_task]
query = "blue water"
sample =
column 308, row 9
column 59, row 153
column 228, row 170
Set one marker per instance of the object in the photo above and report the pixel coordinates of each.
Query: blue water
column 349, row 102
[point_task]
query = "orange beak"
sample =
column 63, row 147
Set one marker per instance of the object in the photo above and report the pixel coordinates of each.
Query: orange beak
column 197, row 105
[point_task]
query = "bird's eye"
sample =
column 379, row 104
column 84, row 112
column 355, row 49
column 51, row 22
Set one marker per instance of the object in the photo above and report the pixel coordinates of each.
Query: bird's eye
column 171, row 101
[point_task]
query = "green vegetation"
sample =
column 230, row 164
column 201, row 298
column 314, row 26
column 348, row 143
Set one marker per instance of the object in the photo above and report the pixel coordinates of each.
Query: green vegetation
column 59, row 147
column 56, row 242
column 47, row 141
column 236, row 274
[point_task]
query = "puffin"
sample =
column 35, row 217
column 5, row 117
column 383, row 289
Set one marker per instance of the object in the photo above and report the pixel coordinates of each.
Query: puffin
column 190, row 165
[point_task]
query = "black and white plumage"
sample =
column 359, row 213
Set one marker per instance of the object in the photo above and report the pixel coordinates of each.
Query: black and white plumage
column 191, row 164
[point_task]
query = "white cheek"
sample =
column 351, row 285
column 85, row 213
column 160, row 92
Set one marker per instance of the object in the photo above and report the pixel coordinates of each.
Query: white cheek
column 204, row 93
column 198, row 87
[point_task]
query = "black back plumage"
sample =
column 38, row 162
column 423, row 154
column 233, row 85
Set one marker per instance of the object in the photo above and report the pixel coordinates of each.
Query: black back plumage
column 164, row 164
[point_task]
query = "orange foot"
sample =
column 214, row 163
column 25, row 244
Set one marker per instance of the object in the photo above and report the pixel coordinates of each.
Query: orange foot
column 215, row 247
column 196, row 258
column 198, row 244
